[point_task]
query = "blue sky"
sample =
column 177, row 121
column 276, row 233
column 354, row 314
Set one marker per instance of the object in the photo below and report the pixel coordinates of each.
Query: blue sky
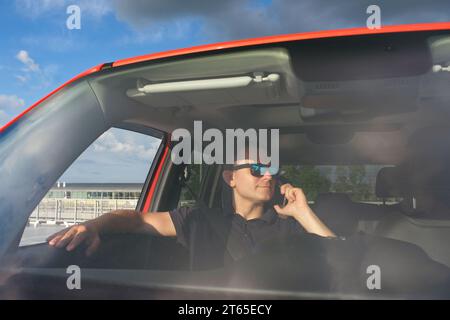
column 56, row 54
column 118, row 156
column 38, row 52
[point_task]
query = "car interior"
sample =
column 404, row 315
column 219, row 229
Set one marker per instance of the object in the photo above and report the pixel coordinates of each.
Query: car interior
column 372, row 100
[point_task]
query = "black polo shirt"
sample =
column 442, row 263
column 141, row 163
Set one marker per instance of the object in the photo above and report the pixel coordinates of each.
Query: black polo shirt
column 222, row 237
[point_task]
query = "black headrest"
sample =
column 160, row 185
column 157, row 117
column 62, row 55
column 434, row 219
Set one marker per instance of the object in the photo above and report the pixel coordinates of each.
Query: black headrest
column 396, row 182
column 338, row 212
column 391, row 182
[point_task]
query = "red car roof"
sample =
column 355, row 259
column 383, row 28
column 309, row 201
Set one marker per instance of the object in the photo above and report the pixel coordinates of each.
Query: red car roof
column 249, row 42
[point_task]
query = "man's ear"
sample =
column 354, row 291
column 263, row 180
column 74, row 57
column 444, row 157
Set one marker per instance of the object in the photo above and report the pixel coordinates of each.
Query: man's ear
column 227, row 176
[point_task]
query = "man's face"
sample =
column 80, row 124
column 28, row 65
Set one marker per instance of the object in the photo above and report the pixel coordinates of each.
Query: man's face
column 249, row 187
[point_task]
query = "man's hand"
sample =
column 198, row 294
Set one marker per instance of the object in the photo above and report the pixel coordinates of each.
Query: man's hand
column 114, row 222
column 298, row 208
column 72, row 237
column 296, row 201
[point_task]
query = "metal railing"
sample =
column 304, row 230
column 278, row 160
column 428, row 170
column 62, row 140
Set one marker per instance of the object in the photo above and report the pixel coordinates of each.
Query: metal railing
column 72, row 211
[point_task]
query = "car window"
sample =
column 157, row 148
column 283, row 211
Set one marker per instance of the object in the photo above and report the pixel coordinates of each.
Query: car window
column 190, row 189
column 356, row 181
column 108, row 175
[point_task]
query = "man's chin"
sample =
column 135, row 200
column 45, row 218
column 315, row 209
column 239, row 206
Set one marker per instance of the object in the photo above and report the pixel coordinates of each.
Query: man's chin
column 265, row 197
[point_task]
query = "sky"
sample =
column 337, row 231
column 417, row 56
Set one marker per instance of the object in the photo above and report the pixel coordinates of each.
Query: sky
column 117, row 156
column 38, row 52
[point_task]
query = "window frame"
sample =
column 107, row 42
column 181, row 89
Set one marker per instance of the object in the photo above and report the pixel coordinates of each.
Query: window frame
column 148, row 131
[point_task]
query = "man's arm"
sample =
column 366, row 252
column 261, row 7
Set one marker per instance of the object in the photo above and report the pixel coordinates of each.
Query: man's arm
column 130, row 221
column 312, row 223
column 119, row 221
column 298, row 208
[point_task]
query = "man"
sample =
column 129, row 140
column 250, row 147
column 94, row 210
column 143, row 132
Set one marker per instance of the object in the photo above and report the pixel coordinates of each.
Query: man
column 248, row 226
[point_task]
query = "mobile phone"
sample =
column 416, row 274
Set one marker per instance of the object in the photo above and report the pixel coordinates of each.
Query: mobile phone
column 280, row 182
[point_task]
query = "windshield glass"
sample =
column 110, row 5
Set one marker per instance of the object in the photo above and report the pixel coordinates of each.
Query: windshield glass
column 340, row 187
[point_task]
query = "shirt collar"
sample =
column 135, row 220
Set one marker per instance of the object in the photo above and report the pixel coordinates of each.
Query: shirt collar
column 268, row 216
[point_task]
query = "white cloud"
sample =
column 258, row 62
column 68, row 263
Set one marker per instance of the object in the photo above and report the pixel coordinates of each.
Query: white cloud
column 157, row 33
column 25, row 58
column 41, row 77
column 96, row 8
column 126, row 144
column 22, row 79
column 234, row 19
column 116, row 156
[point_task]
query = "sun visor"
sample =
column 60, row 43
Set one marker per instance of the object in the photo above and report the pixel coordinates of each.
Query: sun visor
column 362, row 57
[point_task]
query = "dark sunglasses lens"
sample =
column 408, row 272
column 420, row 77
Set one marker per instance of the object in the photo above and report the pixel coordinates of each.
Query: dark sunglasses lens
column 259, row 170
column 255, row 170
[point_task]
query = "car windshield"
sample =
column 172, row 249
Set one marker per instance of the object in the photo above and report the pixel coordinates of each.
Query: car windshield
column 358, row 131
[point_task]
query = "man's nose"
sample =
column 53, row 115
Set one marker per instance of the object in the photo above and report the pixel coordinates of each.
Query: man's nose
column 267, row 175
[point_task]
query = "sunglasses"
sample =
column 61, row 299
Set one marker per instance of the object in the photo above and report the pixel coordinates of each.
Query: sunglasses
column 258, row 169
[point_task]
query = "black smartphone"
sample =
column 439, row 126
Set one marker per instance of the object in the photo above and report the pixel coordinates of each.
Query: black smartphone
column 282, row 201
